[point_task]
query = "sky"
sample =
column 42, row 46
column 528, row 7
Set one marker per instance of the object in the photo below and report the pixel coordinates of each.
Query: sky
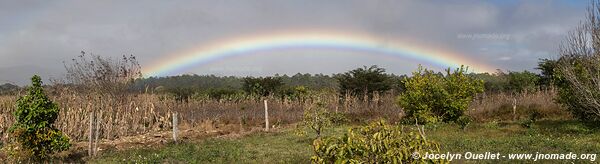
column 36, row 37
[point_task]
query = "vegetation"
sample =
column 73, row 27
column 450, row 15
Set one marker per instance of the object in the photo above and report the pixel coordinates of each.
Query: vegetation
column 262, row 86
column 34, row 133
column 8, row 88
column 431, row 97
column 317, row 118
column 145, row 105
column 501, row 112
column 90, row 72
column 523, row 81
column 545, row 136
column 377, row 142
column 364, row 81
column 576, row 73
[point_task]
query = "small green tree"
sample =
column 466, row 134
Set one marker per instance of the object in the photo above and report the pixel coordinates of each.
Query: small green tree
column 317, row 118
column 33, row 129
column 431, row 97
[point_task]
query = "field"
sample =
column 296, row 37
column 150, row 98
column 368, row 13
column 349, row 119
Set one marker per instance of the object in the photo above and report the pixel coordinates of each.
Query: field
column 548, row 136
column 224, row 131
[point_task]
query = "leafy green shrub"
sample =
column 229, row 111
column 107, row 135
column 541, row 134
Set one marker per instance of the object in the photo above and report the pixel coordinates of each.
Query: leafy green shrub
column 33, row 132
column 377, row 142
column 316, row 117
column 432, row 97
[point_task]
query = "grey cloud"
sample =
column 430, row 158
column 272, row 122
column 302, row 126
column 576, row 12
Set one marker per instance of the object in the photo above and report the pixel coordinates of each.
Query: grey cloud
column 45, row 33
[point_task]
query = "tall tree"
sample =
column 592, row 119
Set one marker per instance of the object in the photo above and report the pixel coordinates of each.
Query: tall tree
column 366, row 80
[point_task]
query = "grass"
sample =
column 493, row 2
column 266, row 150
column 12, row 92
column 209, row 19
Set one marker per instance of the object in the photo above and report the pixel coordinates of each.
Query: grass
column 544, row 137
column 286, row 147
column 260, row 147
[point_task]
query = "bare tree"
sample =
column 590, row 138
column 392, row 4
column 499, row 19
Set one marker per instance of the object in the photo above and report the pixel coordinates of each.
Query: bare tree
column 103, row 75
column 579, row 67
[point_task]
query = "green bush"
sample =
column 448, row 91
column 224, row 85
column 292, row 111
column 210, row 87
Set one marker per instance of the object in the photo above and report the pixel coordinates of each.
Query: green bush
column 432, row 97
column 33, row 132
column 317, row 118
column 374, row 143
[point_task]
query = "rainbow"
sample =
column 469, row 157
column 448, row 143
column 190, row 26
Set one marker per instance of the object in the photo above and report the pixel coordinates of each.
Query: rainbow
column 177, row 63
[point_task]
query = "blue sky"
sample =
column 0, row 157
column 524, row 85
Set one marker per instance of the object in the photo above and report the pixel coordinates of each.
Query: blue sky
column 37, row 36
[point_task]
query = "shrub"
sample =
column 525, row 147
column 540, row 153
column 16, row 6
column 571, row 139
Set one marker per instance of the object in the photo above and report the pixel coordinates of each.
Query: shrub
column 33, row 130
column 377, row 142
column 316, row 117
column 431, row 97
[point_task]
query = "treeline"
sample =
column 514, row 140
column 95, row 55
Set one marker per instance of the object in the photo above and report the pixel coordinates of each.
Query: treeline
column 524, row 81
column 8, row 88
column 357, row 81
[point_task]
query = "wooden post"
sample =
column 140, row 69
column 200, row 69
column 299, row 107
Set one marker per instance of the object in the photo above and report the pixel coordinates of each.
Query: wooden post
column 266, row 116
column 514, row 109
column 91, row 133
column 175, row 126
column 97, row 133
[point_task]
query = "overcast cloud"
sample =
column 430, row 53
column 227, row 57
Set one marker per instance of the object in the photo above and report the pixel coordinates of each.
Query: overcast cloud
column 37, row 36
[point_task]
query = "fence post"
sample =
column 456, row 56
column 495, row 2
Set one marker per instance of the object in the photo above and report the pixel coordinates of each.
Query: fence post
column 175, row 126
column 91, row 133
column 266, row 116
column 98, row 120
column 514, row 109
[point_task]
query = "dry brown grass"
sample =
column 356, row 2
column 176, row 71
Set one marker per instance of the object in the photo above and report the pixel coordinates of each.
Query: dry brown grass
column 147, row 113
column 499, row 106
column 136, row 114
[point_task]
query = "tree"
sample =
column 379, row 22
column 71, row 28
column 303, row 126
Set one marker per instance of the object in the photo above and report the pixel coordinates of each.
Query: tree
column 547, row 68
column 181, row 94
column 577, row 72
column 495, row 82
column 103, row 75
column 522, row 81
column 262, row 86
column 317, row 118
column 33, row 129
column 364, row 81
column 431, row 97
